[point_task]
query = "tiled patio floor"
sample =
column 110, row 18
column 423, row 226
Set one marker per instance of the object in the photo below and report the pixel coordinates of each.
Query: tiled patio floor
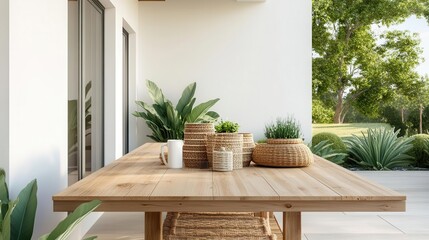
column 410, row 225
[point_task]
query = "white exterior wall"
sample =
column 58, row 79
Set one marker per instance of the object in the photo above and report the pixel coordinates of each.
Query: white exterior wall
column 256, row 57
column 38, row 103
column 34, row 94
column 4, row 85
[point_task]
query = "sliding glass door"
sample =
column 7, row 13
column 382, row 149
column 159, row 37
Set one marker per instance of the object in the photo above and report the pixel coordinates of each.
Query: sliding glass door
column 86, row 88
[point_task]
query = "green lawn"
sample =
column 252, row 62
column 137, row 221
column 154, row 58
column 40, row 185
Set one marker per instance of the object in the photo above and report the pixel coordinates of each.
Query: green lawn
column 346, row 129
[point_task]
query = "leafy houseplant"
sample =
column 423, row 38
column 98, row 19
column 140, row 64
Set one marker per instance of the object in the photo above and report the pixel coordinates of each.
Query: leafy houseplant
column 380, row 149
column 17, row 216
column 165, row 120
column 284, row 147
column 227, row 127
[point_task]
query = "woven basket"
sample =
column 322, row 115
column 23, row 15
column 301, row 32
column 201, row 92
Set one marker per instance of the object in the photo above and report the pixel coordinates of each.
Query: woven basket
column 231, row 142
column 211, row 140
column 194, row 148
column 211, row 226
column 248, row 146
column 222, row 161
column 283, row 153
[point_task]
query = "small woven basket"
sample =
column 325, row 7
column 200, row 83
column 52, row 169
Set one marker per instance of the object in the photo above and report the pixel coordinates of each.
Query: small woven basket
column 283, row 153
column 222, row 160
column 210, row 226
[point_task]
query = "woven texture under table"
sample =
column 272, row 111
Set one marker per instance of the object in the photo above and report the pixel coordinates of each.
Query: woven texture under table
column 211, row 226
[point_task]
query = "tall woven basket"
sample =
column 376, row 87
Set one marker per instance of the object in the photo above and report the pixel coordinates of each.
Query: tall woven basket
column 283, row 153
column 248, row 147
column 194, row 148
column 231, row 142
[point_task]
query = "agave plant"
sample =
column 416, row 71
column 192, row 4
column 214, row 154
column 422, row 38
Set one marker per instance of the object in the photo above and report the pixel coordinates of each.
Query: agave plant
column 325, row 150
column 165, row 120
column 380, row 149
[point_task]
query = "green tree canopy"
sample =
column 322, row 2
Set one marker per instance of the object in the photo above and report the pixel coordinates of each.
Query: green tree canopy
column 354, row 66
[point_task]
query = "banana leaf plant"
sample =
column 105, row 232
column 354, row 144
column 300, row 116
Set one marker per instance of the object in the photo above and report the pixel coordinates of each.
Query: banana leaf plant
column 168, row 122
column 17, row 216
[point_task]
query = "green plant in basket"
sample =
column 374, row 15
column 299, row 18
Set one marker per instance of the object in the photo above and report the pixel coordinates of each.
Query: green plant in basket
column 283, row 128
column 168, row 122
column 227, row 127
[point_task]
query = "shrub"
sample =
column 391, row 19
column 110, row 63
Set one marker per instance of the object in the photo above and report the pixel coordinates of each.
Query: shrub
column 325, row 150
column 321, row 113
column 380, row 149
column 283, row 128
column 420, row 150
column 227, row 127
column 393, row 116
column 337, row 143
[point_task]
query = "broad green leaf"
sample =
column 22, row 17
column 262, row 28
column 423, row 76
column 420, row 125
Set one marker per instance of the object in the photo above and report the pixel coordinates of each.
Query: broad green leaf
column 187, row 110
column 22, row 218
column 64, row 228
column 201, row 110
column 90, row 238
column 155, row 93
column 4, row 194
column 213, row 114
column 186, row 97
column 7, row 221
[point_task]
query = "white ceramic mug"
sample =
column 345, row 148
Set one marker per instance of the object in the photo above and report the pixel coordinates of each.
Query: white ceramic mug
column 175, row 159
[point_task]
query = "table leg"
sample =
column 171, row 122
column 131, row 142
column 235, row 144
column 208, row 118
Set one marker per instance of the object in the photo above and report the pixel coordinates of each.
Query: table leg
column 153, row 226
column 291, row 225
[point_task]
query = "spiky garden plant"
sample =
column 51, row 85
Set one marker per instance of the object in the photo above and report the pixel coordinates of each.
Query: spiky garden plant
column 326, row 150
column 380, row 149
column 283, row 128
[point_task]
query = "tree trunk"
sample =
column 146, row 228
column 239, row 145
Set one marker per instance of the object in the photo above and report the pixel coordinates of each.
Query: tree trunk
column 339, row 107
column 402, row 115
column 421, row 119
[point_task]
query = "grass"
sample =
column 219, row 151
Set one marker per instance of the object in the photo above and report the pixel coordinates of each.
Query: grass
column 347, row 129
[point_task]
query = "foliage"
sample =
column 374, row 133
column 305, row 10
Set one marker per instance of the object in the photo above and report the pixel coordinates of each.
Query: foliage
column 321, row 113
column 420, row 150
column 354, row 65
column 65, row 227
column 21, row 216
column 325, row 150
column 166, row 121
column 17, row 216
column 331, row 138
column 283, row 128
column 393, row 116
column 227, row 127
column 380, row 149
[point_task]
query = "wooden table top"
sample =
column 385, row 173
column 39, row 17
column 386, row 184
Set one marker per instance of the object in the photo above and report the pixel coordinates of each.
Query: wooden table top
column 138, row 182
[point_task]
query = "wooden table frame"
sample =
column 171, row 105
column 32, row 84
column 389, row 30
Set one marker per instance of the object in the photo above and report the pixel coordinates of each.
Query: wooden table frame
column 138, row 183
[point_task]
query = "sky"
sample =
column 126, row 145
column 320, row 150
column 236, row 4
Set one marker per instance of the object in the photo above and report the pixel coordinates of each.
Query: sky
column 421, row 26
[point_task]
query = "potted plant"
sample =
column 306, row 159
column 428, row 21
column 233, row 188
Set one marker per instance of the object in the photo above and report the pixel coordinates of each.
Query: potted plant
column 284, row 147
column 227, row 137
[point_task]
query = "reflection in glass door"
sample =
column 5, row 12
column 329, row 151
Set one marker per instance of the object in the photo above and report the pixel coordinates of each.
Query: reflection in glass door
column 86, row 88
column 125, row 105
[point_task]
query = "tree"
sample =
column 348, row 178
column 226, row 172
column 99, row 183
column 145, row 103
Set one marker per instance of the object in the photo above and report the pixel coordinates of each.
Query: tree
column 354, row 66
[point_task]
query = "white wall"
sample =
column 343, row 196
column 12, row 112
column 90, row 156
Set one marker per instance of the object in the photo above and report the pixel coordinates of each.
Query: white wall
column 38, row 102
column 4, row 85
column 256, row 57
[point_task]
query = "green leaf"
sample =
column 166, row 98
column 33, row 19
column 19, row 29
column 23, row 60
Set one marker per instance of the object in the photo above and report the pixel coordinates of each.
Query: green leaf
column 90, row 238
column 186, row 98
column 7, row 221
column 4, row 194
column 155, row 93
column 64, row 228
column 201, row 110
column 22, row 218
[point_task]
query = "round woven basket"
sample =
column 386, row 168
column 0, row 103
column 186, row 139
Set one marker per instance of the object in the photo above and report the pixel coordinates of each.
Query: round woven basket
column 283, row 153
column 223, row 161
column 248, row 146
column 231, row 142
column 211, row 139
column 194, row 148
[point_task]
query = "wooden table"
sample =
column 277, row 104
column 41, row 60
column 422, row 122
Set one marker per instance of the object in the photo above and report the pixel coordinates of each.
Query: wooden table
column 138, row 182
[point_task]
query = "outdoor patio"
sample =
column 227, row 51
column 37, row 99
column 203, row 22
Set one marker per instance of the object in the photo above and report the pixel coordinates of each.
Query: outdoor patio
column 410, row 225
